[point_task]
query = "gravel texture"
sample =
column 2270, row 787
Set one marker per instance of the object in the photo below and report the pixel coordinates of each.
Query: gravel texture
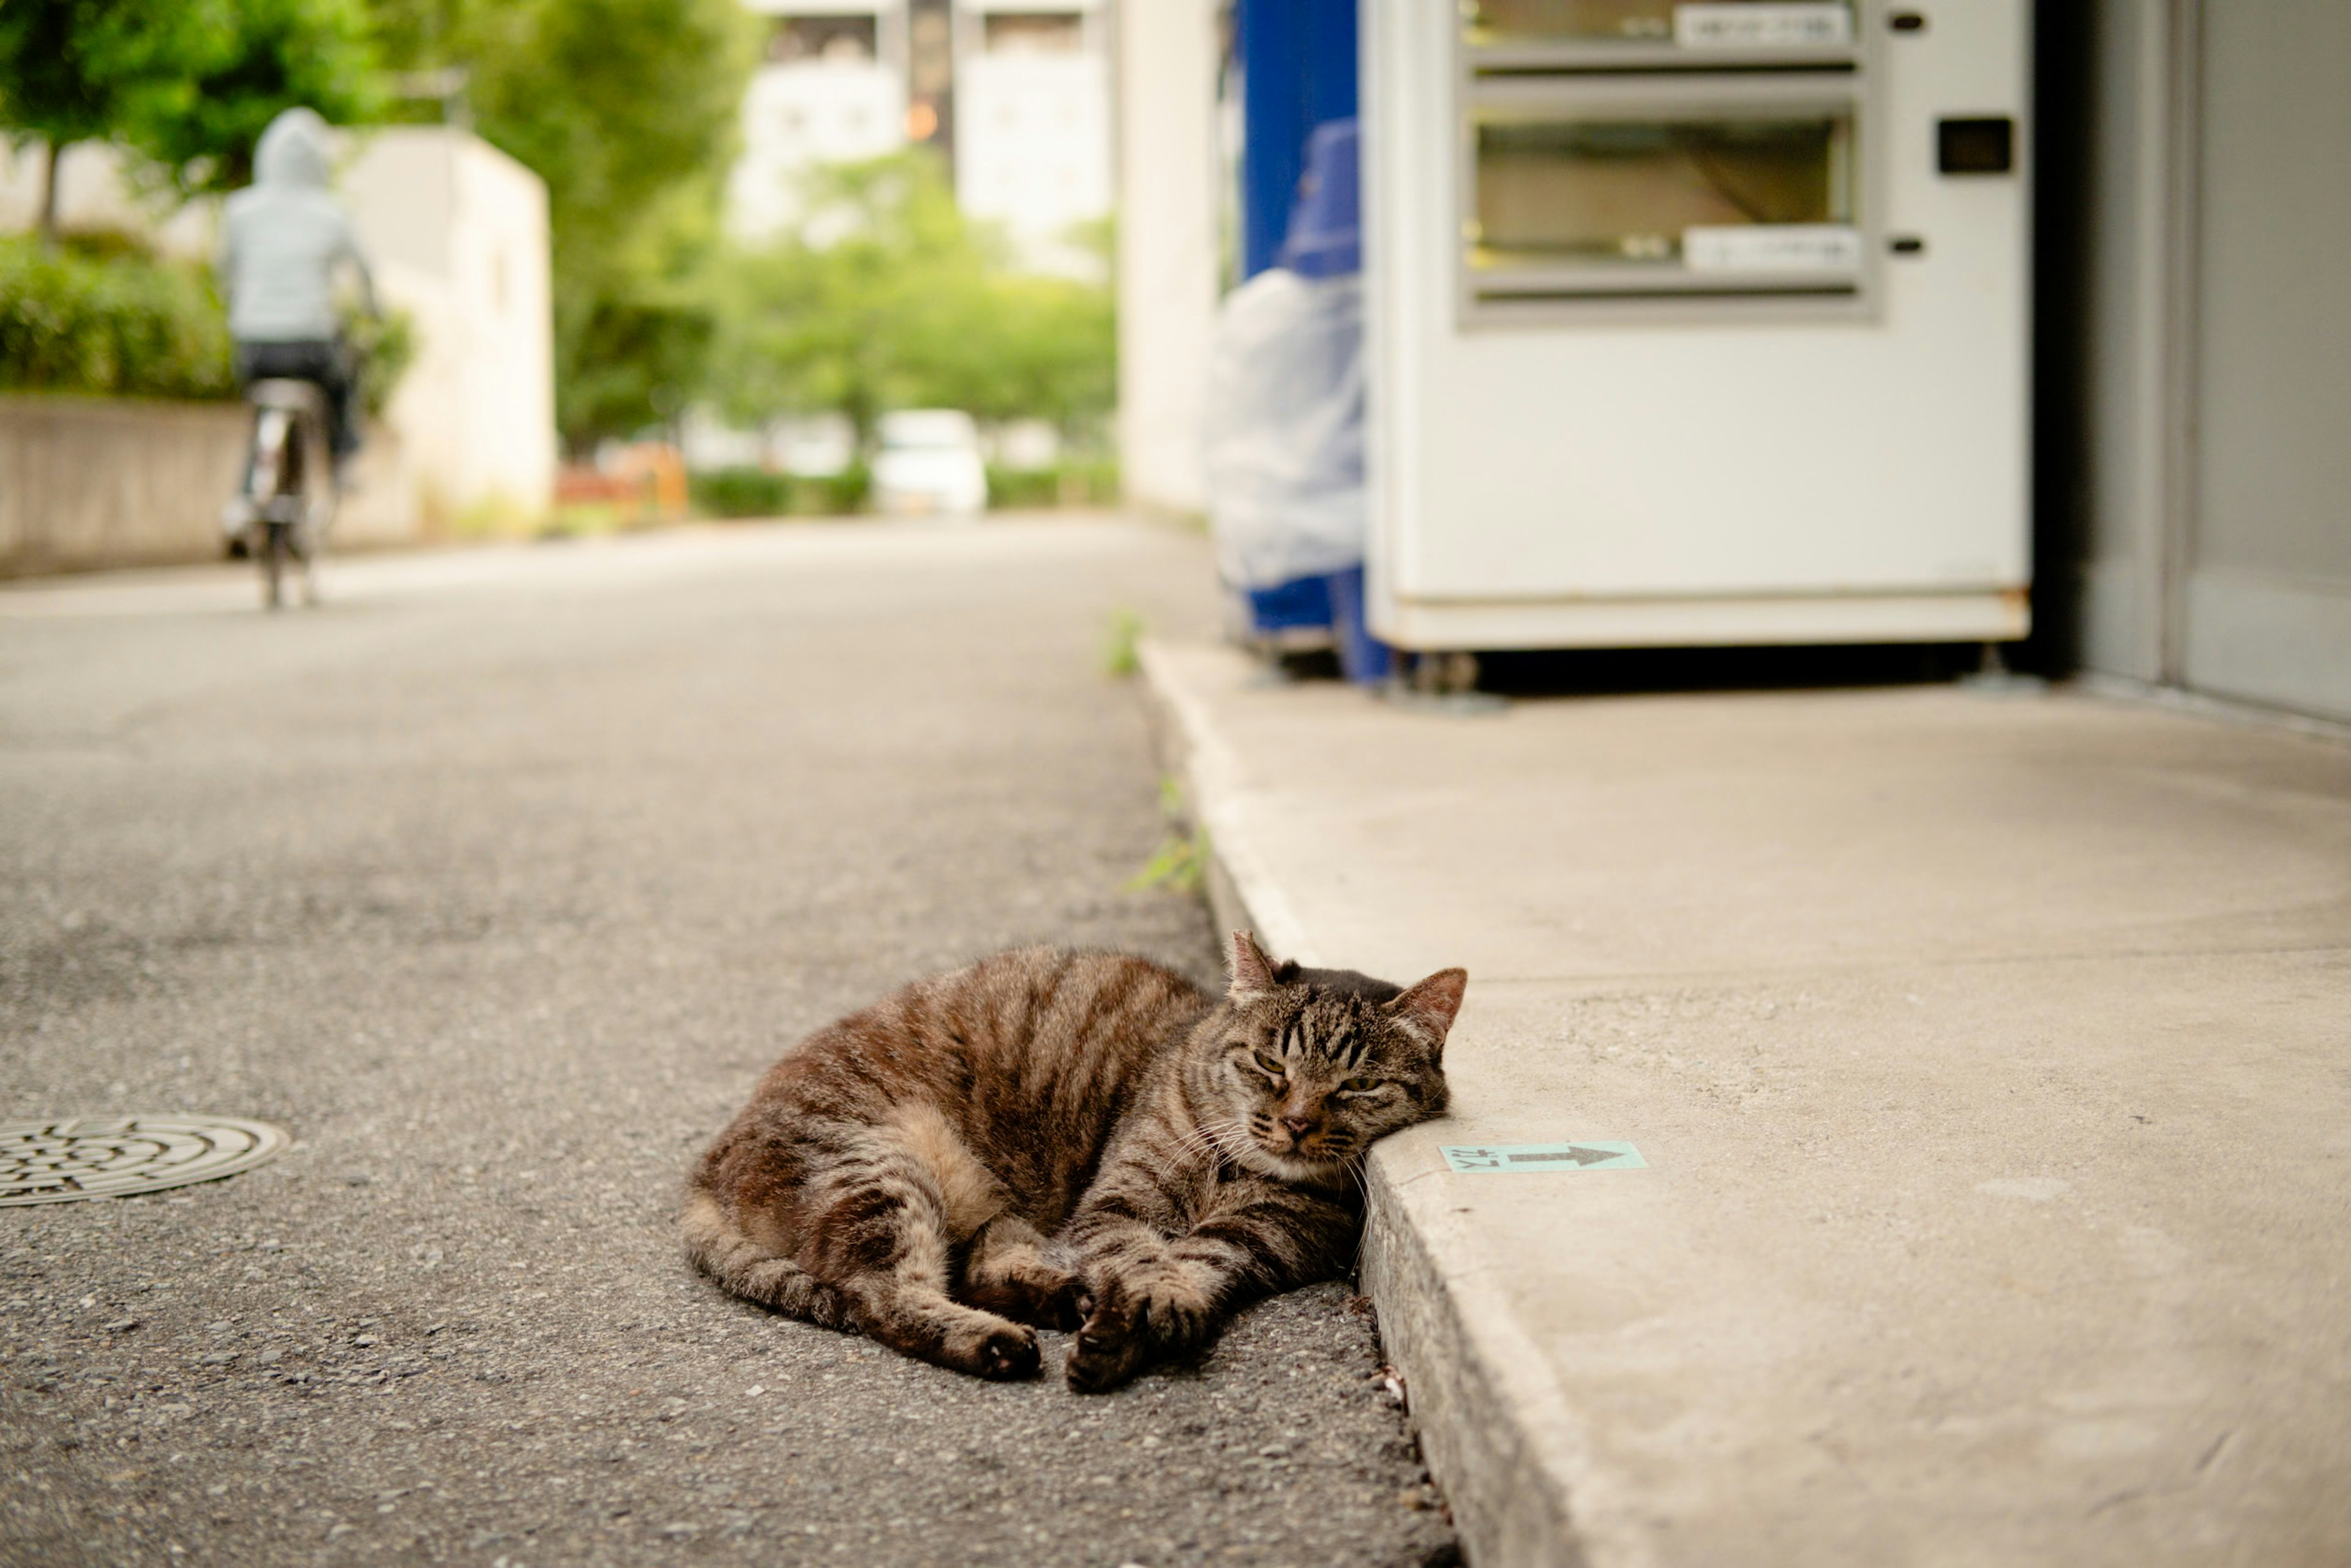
column 497, row 882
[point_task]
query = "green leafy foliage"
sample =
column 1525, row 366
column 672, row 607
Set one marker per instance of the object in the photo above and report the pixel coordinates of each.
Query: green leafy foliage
column 886, row 298
column 756, row 493
column 1122, row 651
column 1180, row 864
column 189, row 83
column 118, row 324
column 71, row 71
column 268, row 56
column 627, row 108
column 386, row 345
column 102, row 316
column 626, row 357
column 613, row 103
column 1086, row 483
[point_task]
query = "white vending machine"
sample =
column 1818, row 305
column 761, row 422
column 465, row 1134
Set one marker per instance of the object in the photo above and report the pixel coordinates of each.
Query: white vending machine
column 1696, row 323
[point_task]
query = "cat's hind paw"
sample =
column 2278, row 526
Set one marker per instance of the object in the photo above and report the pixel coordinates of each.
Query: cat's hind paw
column 1008, row 1356
column 982, row 1344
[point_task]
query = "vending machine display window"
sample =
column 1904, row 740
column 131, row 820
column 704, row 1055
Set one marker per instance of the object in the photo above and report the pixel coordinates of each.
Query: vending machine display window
column 1568, row 199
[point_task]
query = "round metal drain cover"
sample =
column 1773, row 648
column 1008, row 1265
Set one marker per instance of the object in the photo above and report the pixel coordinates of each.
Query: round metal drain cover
column 114, row 1156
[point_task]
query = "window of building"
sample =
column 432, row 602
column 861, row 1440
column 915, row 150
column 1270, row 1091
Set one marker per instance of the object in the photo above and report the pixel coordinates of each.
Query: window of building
column 1034, row 33
column 832, row 40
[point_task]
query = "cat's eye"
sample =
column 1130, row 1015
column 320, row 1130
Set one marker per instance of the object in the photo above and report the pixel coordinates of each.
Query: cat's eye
column 1270, row 1063
column 1360, row 1085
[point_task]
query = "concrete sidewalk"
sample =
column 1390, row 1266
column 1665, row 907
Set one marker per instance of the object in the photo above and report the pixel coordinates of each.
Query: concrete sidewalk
column 1991, row 1057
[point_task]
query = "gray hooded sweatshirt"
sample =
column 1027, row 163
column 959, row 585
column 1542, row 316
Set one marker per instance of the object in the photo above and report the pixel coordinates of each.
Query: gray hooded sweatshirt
column 283, row 237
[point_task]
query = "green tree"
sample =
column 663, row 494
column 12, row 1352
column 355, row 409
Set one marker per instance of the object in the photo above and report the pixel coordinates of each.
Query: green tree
column 627, row 108
column 887, row 297
column 857, row 310
column 270, row 55
column 75, row 70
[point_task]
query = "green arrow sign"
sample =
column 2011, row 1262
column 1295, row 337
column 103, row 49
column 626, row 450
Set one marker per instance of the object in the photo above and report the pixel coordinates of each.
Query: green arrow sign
column 1590, row 1154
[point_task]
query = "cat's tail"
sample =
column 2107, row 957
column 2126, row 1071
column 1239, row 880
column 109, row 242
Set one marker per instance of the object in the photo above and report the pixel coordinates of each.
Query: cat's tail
column 718, row 1246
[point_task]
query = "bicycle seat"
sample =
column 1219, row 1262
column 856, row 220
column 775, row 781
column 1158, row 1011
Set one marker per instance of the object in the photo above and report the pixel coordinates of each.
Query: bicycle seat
column 286, row 392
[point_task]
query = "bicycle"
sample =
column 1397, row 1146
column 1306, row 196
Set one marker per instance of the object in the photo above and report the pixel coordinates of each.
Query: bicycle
column 289, row 485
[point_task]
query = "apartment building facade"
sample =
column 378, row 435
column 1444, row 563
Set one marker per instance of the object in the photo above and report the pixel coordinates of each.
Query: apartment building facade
column 1013, row 95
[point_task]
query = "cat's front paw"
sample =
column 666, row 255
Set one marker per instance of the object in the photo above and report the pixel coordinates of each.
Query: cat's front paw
column 1109, row 1347
column 1147, row 1314
column 1102, row 1359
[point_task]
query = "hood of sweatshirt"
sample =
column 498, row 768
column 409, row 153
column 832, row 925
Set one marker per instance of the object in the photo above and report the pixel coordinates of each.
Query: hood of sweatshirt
column 292, row 153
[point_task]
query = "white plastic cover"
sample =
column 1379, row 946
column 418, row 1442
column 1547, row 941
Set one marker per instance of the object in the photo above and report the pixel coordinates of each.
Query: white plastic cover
column 1285, row 429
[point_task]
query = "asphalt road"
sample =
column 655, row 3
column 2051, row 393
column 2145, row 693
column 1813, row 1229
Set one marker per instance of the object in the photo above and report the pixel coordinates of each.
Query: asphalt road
column 497, row 882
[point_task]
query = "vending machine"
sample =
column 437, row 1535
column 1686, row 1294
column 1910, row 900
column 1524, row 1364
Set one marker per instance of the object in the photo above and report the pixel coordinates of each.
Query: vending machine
column 1696, row 323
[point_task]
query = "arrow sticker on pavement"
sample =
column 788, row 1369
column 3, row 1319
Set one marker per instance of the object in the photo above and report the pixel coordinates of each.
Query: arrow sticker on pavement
column 1591, row 1154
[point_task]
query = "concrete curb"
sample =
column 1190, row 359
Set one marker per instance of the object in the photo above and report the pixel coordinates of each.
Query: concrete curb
column 1496, row 1428
column 1986, row 1054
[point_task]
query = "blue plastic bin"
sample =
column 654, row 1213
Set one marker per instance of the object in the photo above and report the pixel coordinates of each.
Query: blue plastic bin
column 1301, row 604
column 1363, row 657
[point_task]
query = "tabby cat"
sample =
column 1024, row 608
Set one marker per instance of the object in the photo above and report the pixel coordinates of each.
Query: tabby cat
column 1068, row 1140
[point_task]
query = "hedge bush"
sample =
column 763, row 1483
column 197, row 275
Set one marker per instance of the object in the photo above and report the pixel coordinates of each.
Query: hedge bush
column 116, row 323
column 738, row 492
column 756, row 493
column 1081, row 484
column 387, row 346
column 102, row 316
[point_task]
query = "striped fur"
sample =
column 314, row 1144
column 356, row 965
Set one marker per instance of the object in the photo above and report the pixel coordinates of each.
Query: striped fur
column 1067, row 1140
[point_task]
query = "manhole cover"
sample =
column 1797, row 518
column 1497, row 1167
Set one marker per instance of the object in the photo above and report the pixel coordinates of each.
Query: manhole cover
column 113, row 1156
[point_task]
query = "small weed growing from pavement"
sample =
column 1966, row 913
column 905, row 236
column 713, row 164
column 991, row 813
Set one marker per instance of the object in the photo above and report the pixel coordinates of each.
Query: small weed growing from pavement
column 1120, row 659
column 1181, row 861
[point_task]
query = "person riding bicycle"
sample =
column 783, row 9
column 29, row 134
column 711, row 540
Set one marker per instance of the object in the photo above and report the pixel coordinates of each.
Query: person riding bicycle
column 284, row 240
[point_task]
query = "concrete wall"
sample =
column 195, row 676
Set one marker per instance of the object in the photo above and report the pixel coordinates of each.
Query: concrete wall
column 458, row 230
column 1167, row 63
column 88, row 483
column 2265, row 607
column 2195, row 346
column 91, row 482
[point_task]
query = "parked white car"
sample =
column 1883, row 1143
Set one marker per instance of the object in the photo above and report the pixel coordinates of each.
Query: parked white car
column 929, row 462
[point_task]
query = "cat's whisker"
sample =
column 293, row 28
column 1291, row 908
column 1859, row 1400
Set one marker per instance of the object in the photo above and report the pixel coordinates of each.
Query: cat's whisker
column 1202, row 1138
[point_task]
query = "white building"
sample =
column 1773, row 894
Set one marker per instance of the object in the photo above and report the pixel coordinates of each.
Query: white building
column 1032, row 124
column 1169, row 240
column 830, row 88
column 457, row 234
column 1028, row 112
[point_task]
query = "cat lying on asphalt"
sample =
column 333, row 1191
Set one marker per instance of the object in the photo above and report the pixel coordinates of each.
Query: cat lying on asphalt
column 1068, row 1140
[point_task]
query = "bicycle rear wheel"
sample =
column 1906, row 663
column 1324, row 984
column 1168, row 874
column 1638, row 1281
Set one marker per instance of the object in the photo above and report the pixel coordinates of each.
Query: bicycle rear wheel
column 273, row 550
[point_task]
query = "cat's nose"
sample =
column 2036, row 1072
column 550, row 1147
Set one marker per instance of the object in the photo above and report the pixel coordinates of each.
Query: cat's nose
column 1298, row 1126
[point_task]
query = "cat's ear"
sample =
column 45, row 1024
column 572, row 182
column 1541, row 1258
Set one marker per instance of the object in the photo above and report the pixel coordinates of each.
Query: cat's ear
column 1428, row 1008
column 1252, row 970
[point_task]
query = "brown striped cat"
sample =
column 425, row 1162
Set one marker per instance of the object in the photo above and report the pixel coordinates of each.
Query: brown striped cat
column 1068, row 1140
